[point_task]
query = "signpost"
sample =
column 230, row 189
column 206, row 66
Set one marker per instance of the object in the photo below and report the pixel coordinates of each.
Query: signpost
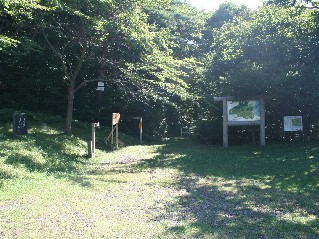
column 292, row 124
column 100, row 86
column 115, row 122
column 243, row 112
column 140, row 126
column 185, row 130
column 91, row 143
column 99, row 93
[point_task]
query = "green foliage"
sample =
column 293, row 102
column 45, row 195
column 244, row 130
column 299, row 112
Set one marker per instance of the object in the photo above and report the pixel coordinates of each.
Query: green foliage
column 293, row 3
column 17, row 15
column 272, row 53
column 161, row 60
column 226, row 13
column 87, row 41
column 259, row 49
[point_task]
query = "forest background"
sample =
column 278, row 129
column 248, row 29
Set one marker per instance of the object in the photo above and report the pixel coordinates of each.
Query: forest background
column 162, row 60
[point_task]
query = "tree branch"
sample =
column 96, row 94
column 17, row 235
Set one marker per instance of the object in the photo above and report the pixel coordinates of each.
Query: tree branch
column 80, row 63
column 95, row 80
column 60, row 56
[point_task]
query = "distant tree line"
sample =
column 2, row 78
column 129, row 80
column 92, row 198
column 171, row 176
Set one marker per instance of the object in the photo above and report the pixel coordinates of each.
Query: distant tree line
column 163, row 60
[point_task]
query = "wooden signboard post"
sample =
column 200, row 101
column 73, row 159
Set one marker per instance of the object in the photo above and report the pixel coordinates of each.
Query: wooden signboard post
column 140, row 126
column 115, row 122
column 243, row 113
column 91, row 143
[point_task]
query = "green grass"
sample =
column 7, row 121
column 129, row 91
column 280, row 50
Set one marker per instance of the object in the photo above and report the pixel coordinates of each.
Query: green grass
column 175, row 189
column 245, row 191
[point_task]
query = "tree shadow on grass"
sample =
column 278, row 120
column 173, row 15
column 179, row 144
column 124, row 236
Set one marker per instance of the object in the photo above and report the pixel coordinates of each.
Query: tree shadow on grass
column 4, row 174
column 228, row 214
column 60, row 155
column 55, row 154
column 250, row 192
column 286, row 167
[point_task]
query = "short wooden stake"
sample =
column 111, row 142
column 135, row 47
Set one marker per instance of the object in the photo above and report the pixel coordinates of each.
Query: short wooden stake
column 90, row 150
column 140, row 126
column 93, row 138
column 117, row 136
column 225, row 126
column 112, row 135
column 141, row 130
column 262, row 122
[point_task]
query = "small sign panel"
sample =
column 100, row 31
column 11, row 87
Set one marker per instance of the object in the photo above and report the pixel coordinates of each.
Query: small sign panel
column 293, row 123
column 100, row 88
column 116, row 118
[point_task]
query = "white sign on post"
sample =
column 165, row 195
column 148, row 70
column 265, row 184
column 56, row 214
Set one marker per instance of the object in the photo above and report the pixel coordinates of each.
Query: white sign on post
column 100, row 86
column 293, row 123
column 100, row 89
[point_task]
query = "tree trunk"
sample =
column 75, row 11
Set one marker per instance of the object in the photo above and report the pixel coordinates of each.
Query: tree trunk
column 69, row 111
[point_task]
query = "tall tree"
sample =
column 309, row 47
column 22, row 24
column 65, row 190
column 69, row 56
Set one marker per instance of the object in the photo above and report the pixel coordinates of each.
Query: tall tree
column 226, row 13
column 119, row 38
column 273, row 54
column 17, row 43
column 292, row 3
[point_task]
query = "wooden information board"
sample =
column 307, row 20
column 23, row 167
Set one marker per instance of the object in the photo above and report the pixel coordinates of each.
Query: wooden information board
column 241, row 113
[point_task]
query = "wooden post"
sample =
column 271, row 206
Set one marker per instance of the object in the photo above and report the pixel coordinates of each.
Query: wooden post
column 262, row 122
column 141, row 130
column 225, row 126
column 90, row 152
column 112, row 135
column 115, row 122
column 140, row 126
column 93, row 138
column 117, row 136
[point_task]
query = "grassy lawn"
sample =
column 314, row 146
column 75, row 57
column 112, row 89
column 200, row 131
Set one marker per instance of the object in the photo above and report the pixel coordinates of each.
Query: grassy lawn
column 175, row 189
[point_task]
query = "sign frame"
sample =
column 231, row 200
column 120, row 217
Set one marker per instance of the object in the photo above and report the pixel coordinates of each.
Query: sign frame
column 227, row 123
column 289, row 125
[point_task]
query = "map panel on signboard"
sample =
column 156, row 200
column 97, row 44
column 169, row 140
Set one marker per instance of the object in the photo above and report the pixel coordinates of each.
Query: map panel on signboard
column 248, row 110
column 293, row 123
